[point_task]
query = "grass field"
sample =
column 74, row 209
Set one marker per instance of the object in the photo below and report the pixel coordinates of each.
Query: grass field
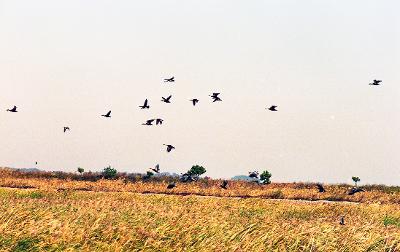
column 112, row 215
column 33, row 220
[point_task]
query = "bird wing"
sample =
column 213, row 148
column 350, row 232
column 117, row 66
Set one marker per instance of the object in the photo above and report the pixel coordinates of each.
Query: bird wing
column 169, row 97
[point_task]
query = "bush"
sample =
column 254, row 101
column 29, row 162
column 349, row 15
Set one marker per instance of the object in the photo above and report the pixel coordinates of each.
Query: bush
column 265, row 177
column 109, row 173
column 196, row 170
column 356, row 179
column 148, row 175
column 81, row 170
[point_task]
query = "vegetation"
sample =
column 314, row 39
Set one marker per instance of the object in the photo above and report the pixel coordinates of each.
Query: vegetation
column 265, row 177
column 81, row 170
column 122, row 221
column 197, row 170
column 193, row 174
column 109, row 173
column 356, row 179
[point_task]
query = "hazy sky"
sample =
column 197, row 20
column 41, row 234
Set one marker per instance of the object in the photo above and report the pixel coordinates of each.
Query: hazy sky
column 64, row 63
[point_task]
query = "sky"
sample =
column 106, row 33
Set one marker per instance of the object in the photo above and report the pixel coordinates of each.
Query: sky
column 64, row 63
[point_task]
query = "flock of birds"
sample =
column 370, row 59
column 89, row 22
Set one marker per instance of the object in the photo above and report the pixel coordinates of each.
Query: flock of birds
column 215, row 98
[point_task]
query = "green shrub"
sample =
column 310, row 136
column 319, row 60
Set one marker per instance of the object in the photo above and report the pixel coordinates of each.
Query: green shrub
column 356, row 179
column 81, row 170
column 196, row 170
column 109, row 173
column 265, row 177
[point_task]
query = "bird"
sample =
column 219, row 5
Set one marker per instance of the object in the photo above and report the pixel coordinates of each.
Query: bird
column 273, row 108
column 375, row 82
column 171, row 185
column 172, row 79
column 14, row 109
column 166, row 100
column 156, row 169
column 169, row 147
column 341, row 220
column 148, row 122
column 36, row 163
column 215, row 97
column 159, row 121
column 194, row 101
column 253, row 174
column 321, row 189
column 108, row 114
column 355, row 190
column 145, row 105
column 224, row 184
column 65, row 129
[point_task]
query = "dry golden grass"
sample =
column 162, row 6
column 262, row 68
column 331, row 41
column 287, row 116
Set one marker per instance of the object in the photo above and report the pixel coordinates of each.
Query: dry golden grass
column 112, row 215
column 123, row 221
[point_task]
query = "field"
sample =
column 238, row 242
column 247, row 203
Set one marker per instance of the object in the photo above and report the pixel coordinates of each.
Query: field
column 57, row 215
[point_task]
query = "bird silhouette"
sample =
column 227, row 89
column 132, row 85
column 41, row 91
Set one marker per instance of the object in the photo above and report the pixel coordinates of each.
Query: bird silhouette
column 253, row 174
column 273, row 108
column 156, row 169
column 215, row 97
column 14, row 109
column 355, row 190
column 172, row 79
column 159, row 121
column 65, row 129
column 166, row 100
column 224, row 184
column 108, row 115
column 148, row 122
column 194, row 101
column 341, row 220
column 321, row 189
column 145, row 105
column 169, row 147
column 171, row 185
column 376, row 82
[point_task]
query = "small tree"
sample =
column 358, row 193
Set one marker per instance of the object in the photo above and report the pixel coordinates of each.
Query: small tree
column 196, row 170
column 148, row 175
column 265, row 177
column 81, row 170
column 193, row 174
column 109, row 172
column 356, row 179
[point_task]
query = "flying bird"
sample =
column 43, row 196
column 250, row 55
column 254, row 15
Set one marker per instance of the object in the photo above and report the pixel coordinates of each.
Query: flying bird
column 321, row 189
column 171, row 185
column 166, row 100
column 156, row 169
column 169, row 147
column 215, row 97
column 159, row 121
column 194, row 101
column 341, row 221
column 108, row 114
column 253, row 174
column 14, row 109
column 273, row 108
column 376, row 82
column 172, row 79
column 65, row 129
column 145, row 105
column 224, row 184
column 148, row 122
